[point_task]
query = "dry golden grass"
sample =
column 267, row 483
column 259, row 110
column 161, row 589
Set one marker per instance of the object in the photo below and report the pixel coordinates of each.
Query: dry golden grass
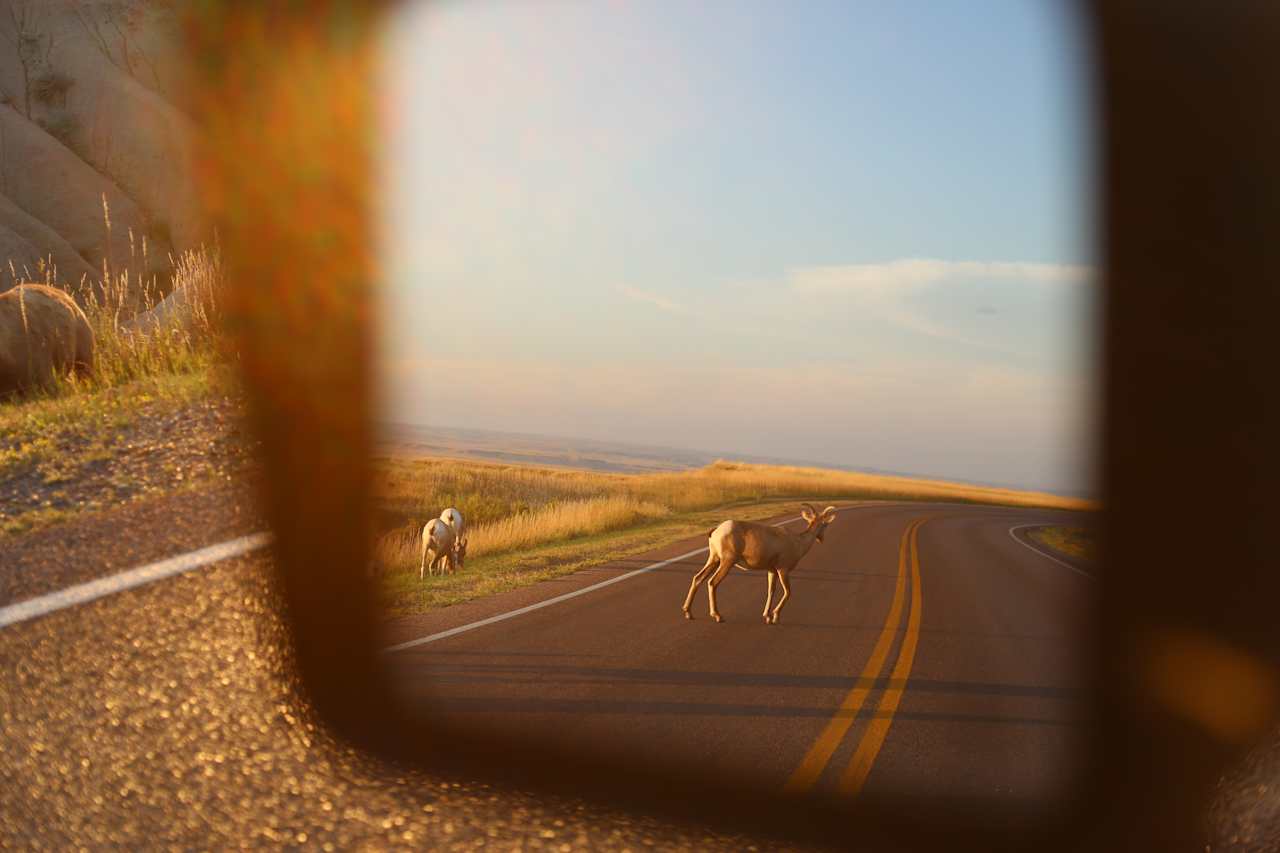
column 511, row 507
column 126, row 348
column 184, row 343
column 563, row 521
column 550, row 523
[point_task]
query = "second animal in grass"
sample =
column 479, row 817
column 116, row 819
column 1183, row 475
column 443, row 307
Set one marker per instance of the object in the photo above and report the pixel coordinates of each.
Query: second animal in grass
column 444, row 539
column 453, row 518
column 441, row 549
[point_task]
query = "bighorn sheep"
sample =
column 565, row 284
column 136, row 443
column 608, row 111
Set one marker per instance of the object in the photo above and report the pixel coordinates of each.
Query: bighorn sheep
column 753, row 546
column 441, row 543
column 453, row 518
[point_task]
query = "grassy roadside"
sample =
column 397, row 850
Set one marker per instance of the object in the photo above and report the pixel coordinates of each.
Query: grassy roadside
column 402, row 594
column 157, row 412
column 1072, row 541
column 72, row 453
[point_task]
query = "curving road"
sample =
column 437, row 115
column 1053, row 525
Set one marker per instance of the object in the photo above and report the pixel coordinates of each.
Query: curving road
column 927, row 649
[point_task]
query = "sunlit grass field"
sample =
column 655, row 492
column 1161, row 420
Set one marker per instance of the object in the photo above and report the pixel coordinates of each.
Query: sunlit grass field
column 547, row 521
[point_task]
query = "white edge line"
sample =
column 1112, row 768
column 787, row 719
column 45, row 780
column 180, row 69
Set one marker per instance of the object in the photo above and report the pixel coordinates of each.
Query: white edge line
column 431, row 638
column 471, row 626
column 1031, row 547
column 33, row 608
column 85, row 592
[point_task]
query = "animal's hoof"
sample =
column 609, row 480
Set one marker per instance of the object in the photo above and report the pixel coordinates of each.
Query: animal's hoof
column 716, row 616
column 688, row 615
column 773, row 620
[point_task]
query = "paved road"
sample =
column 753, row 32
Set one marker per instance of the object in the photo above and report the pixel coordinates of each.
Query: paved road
column 169, row 714
column 924, row 651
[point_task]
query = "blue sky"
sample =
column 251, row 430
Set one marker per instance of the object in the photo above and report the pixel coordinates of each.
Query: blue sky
column 853, row 233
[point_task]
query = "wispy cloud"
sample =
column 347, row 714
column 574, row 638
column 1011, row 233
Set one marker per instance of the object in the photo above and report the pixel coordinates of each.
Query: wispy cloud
column 658, row 301
column 892, row 289
column 913, row 322
column 913, row 272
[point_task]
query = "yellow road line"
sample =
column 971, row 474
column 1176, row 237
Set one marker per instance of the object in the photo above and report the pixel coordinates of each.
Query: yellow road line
column 815, row 760
column 855, row 775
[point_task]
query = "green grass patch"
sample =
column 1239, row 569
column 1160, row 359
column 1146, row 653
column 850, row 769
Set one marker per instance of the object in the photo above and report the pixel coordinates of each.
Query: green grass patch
column 57, row 432
column 65, row 454
column 1073, row 541
column 39, row 517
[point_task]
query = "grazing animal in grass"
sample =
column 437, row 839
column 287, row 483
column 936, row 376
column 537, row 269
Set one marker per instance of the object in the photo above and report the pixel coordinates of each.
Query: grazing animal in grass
column 752, row 546
column 453, row 518
column 438, row 543
column 42, row 333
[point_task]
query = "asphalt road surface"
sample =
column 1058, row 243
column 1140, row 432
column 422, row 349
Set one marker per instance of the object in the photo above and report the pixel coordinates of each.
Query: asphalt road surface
column 926, row 651
column 169, row 715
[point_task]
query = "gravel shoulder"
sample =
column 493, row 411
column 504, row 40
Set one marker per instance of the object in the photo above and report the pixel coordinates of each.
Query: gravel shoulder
column 90, row 453
column 95, row 544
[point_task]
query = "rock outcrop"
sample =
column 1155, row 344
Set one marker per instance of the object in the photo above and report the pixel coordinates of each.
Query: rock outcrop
column 53, row 185
column 84, row 115
column 26, row 242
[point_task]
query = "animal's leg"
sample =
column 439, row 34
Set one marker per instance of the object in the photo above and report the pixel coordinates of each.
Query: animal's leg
column 786, row 593
column 726, row 563
column 697, row 579
column 423, row 568
column 768, row 597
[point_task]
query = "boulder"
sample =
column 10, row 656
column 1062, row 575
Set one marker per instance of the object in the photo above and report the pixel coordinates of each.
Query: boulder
column 134, row 136
column 84, row 113
column 174, row 311
column 42, row 333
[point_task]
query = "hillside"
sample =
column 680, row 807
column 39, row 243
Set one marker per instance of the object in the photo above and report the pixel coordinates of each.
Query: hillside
column 95, row 154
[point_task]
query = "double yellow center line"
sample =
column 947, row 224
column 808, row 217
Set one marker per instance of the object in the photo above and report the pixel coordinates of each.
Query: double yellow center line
column 816, row 759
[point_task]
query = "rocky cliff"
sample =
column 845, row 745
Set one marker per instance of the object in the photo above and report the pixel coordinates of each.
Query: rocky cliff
column 89, row 115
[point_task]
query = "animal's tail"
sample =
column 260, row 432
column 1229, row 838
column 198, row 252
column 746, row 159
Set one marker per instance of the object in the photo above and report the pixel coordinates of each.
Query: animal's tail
column 709, row 532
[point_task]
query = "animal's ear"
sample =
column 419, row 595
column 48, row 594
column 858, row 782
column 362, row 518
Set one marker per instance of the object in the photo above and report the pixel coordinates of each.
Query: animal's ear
column 829, row 514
